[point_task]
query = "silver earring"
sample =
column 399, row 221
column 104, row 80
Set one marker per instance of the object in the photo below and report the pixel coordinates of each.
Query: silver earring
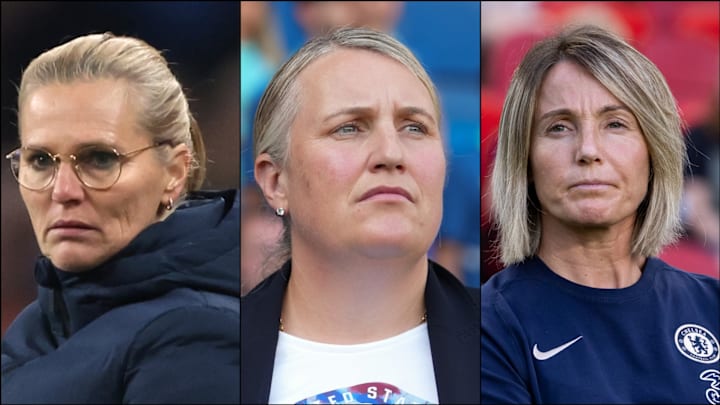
column 280, row 211
column 169, row 206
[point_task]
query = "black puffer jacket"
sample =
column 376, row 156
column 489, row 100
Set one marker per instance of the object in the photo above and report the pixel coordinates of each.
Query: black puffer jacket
column 158, row 322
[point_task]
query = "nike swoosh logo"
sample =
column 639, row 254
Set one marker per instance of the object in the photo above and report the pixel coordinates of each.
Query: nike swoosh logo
column 552, row 352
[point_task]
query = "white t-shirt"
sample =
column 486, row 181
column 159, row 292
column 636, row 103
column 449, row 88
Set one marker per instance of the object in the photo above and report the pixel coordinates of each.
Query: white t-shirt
column 397, row 370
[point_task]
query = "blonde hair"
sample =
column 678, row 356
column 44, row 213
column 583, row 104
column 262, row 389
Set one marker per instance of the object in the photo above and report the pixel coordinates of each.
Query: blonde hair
column 637, row 83
column 279, row 104
column 163, row 108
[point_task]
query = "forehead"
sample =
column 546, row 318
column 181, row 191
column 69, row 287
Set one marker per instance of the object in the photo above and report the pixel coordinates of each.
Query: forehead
column 569, row 83
column 91, row 93
column 76, row 112
column 363, row 76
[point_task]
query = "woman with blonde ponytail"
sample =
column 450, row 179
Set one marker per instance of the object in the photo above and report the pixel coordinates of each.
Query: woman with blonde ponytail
column 138, row 282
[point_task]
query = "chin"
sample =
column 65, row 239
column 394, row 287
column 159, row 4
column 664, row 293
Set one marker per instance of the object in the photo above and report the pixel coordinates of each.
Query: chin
column 593, row 220
column 74, row 261
column 393, row 238
column 592, row 214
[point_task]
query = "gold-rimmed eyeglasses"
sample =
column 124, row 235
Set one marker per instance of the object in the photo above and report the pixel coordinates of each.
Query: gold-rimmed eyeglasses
column 96, row 166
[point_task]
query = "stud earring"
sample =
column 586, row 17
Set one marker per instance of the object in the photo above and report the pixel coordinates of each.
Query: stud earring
column 280, row 211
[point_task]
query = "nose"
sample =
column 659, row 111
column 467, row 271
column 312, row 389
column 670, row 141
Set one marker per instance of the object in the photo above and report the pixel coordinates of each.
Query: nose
column 588, row 150
column 388, row 152
column 67, row 186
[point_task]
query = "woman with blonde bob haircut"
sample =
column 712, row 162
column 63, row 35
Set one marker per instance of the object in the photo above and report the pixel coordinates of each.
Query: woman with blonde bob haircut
column 623, row 71
column 348, row 151
column 586, row 189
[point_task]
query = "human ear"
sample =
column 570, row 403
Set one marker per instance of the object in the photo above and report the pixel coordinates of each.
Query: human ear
column 177, row 170
column 272, row 181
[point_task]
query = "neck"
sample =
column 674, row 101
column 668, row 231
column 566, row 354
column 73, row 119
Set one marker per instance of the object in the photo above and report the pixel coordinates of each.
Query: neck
column 598, row 258
column 353, row 300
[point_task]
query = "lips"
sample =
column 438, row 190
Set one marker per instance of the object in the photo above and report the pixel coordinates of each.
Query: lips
column 590, row 183
column 70, row 224
column 386, row 190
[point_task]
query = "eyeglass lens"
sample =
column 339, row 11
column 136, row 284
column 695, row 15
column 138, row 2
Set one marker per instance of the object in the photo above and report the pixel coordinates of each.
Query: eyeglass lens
column 96, row 166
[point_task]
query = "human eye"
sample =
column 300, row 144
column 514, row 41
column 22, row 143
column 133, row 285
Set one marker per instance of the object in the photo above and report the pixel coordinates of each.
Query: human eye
column 557, row 128
column 616, row 124
column 98, row 158
column 349, row 128
column 417, row 128
column 38, row 159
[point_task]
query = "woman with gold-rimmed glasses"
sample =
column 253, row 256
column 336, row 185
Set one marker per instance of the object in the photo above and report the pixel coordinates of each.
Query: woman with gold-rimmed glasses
column 139, row 280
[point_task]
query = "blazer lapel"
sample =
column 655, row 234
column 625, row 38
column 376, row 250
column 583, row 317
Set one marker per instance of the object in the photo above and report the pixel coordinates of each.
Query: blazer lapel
column 454, row 331
column 259, row 319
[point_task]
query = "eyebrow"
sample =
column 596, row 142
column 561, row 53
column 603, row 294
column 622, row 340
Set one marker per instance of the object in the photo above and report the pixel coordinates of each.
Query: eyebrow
column 405, row 111
column 567, row 111
column 417, row 111
column 78, row 147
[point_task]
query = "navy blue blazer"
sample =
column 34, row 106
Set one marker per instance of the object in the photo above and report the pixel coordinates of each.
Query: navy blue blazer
column 453, row 326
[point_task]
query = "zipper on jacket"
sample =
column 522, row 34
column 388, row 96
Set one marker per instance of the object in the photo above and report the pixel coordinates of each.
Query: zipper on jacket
column 60, row 319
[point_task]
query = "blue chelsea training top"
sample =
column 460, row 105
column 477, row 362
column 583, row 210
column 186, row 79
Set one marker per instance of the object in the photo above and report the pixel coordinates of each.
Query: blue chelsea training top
column 548, row 340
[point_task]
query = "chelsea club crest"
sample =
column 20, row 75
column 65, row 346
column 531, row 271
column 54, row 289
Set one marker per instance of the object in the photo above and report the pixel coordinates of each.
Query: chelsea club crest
column 697, row 343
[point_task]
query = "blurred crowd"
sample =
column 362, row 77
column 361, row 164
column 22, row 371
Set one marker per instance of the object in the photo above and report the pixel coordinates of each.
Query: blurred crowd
column 681, row 38
column 199, row 39
column 449, row 48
